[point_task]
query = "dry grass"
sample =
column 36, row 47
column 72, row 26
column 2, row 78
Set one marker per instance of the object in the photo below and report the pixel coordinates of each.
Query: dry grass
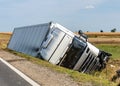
column 4, row 39
column 107, row 40
column 6, row 33
column 104, row 37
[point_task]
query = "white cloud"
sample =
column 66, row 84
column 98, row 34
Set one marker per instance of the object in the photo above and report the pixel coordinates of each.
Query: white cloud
column 90, row 7
column 90, row 4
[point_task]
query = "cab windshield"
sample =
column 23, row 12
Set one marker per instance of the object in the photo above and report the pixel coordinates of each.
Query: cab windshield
column 74, row 53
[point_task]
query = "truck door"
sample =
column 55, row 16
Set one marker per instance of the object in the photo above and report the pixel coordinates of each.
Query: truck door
column 51, row 43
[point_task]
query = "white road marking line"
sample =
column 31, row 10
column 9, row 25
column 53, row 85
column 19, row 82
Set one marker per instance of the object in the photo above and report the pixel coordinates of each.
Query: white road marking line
column 30, row 81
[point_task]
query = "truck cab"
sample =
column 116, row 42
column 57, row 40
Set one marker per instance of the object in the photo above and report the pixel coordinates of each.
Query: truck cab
column 64, row 48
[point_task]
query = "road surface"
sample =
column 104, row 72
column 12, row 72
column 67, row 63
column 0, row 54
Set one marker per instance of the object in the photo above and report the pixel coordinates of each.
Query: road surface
column 9, row 76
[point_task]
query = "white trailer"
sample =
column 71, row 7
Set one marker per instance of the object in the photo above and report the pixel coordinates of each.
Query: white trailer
column 58, row 45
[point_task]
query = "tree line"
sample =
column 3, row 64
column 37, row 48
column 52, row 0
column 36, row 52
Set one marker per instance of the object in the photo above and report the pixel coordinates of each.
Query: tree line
column 112, row 30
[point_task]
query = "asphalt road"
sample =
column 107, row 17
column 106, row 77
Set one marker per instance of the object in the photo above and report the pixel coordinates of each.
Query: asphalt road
column 8, row 77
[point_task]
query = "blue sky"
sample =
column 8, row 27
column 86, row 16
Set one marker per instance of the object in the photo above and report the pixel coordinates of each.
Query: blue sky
column 87, row 15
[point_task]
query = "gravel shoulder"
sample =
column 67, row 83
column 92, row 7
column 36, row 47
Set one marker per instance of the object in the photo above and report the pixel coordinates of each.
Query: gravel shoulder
column 42, row 75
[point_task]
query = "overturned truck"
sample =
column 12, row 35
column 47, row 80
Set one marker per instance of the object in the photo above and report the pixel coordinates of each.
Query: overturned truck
column 59, row 46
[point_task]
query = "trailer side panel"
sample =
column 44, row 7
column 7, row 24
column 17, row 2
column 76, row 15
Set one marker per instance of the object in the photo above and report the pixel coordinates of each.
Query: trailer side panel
column 28, row 39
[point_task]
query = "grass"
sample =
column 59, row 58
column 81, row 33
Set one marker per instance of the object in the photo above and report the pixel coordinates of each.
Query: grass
column 4, row 38
column 103, row 34
column 95, row 80
column 114, row 49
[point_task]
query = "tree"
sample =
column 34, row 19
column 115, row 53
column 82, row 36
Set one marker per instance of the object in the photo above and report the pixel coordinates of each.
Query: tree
column 101, row 31
column 113, row 30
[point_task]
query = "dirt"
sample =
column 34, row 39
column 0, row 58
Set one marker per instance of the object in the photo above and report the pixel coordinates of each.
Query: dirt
column 42, row 75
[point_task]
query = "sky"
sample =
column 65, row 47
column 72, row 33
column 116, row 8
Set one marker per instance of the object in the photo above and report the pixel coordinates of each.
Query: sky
column 86, row 15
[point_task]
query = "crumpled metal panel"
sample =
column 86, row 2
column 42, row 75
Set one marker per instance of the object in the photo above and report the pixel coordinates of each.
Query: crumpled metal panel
column 28, row 39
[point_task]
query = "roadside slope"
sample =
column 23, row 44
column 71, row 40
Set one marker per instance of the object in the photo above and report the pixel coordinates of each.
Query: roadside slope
column 42, row 75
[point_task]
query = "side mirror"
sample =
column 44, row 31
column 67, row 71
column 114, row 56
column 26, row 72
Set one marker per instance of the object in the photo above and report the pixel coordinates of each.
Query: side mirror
column 82, row 35
column 80, row 32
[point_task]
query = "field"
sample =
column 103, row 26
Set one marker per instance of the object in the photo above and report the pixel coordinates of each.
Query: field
column 103, row 41
column 104, row 38
column 4, row 39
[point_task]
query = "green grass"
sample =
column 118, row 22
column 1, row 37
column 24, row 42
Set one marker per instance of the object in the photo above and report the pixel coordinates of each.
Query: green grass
column 114, row 49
